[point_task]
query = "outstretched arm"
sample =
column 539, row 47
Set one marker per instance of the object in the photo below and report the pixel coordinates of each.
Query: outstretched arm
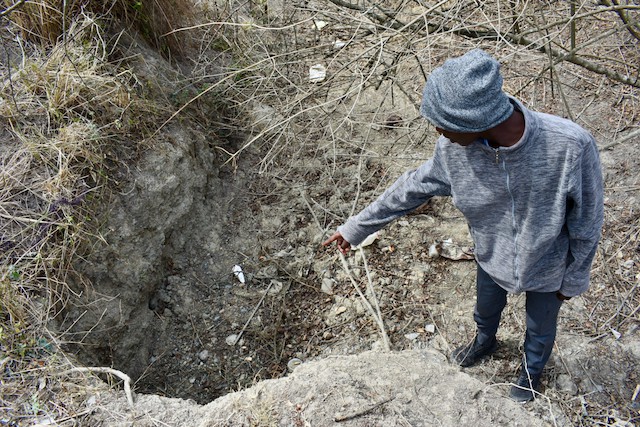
column 409, row 191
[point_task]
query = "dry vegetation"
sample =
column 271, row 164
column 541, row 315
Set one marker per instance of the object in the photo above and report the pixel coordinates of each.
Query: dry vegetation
column 72, row 117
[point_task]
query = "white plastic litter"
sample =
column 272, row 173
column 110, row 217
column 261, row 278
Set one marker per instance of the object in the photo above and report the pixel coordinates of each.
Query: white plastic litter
column 293, row 364
column 317, row 73
column 368, row 241
column 237, row 271
column 339, row 44
column 616, row 334
column 433, row 251
column 448, row 249
column 320, row 24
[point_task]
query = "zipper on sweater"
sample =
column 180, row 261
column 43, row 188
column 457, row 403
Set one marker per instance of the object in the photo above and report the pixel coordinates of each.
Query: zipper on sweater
column 513, row 222
column 498, row 156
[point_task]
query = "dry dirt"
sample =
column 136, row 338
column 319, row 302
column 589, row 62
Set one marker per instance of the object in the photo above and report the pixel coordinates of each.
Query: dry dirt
column 298, row 302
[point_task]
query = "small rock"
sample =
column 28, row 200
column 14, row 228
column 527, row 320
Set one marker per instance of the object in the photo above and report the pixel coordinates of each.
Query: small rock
column 276, row 287
column 327, row 286
column 430, row 328
column 341, row 309
column 203, row 355
column 327, row 335
column 231, row 339
column 412, row 336
column 192, row 380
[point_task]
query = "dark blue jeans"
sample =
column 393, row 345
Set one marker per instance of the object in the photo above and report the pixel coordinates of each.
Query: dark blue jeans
column 542, row 318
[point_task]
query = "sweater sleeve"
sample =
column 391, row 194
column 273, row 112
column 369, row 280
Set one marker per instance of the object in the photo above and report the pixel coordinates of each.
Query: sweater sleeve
column 584, row 220
column 409, row 191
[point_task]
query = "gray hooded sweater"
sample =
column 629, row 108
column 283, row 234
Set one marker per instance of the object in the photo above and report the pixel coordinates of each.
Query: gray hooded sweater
column 535, row 209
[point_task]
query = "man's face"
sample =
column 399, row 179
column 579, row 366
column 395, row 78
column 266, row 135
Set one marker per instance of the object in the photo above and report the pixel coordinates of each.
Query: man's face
column 459, row 138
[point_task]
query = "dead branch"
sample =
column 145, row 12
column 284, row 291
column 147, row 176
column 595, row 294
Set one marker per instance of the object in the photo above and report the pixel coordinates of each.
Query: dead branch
column 622, row 140
column 255, row 310
column 467, row 31
column 632, row 26
column 376, row 318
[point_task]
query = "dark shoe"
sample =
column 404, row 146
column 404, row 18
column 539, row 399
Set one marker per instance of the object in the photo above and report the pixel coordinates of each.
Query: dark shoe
column 470, row 354
column 526, row 387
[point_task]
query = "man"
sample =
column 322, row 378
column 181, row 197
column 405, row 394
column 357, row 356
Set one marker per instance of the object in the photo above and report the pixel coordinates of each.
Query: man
column 530, row 187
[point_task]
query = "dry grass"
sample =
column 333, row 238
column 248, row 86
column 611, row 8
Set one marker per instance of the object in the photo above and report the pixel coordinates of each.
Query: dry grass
column 69, row 119
column 45, row 22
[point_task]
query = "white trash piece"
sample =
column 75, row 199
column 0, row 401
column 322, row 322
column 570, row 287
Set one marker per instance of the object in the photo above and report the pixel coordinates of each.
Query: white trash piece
column 367, row 241
column 317, row 73
column 339, row 44
column 319, row 24
column 293, row 364
column 433, row 251
column 237, row 271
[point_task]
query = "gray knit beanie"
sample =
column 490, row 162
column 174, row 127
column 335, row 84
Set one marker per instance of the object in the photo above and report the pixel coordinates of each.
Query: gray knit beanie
column 465, row 94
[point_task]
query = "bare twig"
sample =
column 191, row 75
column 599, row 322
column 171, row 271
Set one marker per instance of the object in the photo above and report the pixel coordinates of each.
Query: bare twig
column 469, row 31
column 12, row 8
column 238, row 24
column 376, row 318
column 632, row 26
column 253, row 313
column 376, row 305
column 622, row 140
column 375, row 313
column 124, row 377
column 346, row 417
